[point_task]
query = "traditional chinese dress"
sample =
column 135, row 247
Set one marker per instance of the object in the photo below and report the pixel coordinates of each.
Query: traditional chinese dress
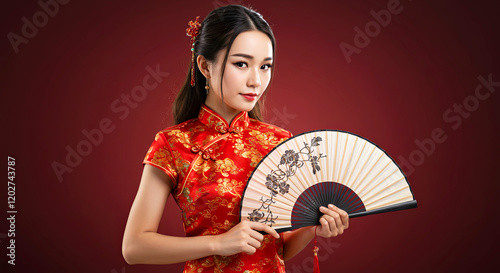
column 209, row 163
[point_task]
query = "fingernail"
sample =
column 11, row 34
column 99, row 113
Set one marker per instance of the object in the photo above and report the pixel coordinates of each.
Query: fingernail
column 330, row 206
column 322, row 208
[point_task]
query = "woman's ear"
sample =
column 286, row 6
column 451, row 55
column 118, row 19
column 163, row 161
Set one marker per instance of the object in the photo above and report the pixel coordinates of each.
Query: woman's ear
column 204, row 65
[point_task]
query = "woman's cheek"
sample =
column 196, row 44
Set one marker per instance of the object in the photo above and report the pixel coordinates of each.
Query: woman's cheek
column 231, row 74
column 266, row 78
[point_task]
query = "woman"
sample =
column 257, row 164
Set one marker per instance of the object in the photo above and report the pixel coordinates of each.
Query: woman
column 205, row 159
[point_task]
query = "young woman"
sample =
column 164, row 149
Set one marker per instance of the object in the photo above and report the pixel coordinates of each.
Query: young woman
column 205, row 159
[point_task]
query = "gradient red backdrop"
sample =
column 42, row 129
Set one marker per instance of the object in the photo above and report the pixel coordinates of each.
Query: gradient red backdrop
column 66, row 75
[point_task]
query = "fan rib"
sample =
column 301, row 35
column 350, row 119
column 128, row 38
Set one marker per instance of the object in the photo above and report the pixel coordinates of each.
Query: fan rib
column 369, row 171
column 382, row 197
column 306, row 176
column 342, row 160
column 373, row 179
column 356, row 181
column 265, row 162
column 312, row 202
column 369, row 194
column 295, row 193
column 304, row 186
column 350, row 159
column 342, row 196
column 400, row 206
column 330, row 159
column 262, row 191
column 324, row 169
column 335, row 155
column 355, row 165
column 393, row 202
column 381, row 170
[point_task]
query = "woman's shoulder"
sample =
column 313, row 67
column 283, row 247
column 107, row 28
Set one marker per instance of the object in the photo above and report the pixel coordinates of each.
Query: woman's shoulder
column 177, row 128
column 264, row 126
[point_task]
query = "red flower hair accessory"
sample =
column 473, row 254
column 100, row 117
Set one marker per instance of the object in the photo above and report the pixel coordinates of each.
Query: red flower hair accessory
column 192, row 31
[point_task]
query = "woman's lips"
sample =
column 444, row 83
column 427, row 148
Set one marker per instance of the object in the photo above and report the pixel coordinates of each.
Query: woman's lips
column 250, row 96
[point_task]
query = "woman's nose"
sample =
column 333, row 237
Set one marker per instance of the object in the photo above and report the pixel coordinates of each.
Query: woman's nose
column 254, row 78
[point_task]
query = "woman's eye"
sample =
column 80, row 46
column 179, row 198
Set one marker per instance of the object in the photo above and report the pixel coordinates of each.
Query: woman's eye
column 267, row 66
column 244, row 65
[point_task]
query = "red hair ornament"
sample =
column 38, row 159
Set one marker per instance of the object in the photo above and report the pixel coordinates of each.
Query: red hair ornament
column 193, row 31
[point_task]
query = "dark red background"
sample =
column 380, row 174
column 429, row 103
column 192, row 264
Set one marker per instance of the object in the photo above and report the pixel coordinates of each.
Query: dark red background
column 394, row 92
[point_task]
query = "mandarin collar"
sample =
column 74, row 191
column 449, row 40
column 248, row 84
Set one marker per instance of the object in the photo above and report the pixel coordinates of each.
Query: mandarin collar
column 213, row 120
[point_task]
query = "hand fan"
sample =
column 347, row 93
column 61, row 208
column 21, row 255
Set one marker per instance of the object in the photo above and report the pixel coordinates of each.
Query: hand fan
column 323, row 167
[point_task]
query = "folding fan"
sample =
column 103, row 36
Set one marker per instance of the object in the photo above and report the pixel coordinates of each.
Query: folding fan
column 323, row 167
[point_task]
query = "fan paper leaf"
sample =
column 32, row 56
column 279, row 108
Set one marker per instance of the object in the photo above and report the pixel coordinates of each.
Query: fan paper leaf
column 342, row 169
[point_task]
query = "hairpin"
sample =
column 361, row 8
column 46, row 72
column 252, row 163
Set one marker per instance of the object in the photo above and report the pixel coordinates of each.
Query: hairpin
column 192, row 31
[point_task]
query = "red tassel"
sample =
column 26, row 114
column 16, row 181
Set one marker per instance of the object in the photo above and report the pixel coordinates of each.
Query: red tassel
column 315, row 251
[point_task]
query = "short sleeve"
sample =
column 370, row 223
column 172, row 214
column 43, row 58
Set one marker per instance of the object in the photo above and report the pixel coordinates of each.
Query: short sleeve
column 160, row 156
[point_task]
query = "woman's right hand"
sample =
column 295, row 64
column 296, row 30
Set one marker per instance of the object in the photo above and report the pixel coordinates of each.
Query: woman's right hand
column 244, row 237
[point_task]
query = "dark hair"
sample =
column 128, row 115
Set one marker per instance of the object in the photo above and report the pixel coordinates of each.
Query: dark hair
column 218, row 31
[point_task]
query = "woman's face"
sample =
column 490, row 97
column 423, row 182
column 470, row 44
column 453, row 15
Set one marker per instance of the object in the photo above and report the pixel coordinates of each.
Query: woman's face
column 246, row 76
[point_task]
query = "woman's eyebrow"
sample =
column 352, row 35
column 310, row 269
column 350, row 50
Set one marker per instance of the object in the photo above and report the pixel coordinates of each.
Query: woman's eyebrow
column 250, row 56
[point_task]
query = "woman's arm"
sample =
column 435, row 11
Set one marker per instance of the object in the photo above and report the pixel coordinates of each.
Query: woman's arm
column 333, row 223
column 143, row 245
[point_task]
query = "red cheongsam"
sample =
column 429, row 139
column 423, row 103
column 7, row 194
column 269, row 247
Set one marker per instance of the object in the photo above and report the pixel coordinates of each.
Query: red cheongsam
column 209, row 163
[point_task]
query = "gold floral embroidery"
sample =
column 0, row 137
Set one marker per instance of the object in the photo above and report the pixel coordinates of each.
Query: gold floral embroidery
column 181, row 137
column 206, row 213
column 213, row 205
column 238, row 264
column 190, row 222
column 255, row 270
column 226, row 185
column 279, row 257
column 162, row 157
column 218, row 201
column 202, row 166
column 186, row 193
column 266, row 139
column 193, row 266
column 264, row 262
column 226, row 166
column 247, row 152
column 216, row 123
column 208, row 262
column 227, row 225
column 181, row 164
column 262, row 126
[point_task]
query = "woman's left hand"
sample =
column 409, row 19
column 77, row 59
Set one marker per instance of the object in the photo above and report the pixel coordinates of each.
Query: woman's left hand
column 333, row 222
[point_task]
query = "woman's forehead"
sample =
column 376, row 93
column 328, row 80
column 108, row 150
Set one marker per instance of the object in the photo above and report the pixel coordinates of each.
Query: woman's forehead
column 252, row 43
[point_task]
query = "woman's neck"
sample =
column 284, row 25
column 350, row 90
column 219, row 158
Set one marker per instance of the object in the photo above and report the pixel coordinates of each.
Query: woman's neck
column 227, row 113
